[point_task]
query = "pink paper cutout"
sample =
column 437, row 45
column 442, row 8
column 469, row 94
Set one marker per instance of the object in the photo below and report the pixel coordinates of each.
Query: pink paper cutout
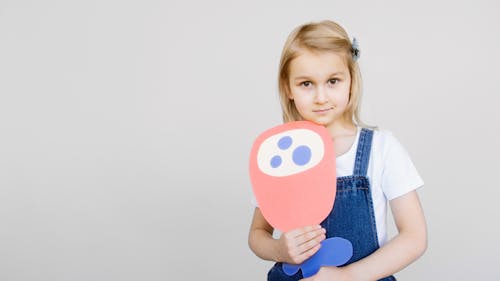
column 292, row 170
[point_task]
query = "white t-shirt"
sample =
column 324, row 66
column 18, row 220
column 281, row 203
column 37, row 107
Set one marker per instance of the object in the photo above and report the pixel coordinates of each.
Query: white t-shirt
column 390, row 171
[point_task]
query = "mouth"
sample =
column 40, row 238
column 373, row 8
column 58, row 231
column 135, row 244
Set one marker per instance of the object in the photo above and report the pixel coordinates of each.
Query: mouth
column 322, row 110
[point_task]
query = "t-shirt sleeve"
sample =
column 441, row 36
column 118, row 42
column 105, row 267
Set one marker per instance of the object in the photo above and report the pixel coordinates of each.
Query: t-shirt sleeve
column 399, row 175
column 253, row 201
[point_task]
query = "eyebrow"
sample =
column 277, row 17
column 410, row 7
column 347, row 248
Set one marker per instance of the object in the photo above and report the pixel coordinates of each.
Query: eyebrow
column 305, row 77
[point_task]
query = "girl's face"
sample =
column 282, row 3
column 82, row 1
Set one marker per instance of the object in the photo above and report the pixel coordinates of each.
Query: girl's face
column 319, row 85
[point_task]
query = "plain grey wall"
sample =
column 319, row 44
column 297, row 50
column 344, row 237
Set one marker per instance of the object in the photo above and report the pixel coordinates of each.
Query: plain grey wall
column 125, row 128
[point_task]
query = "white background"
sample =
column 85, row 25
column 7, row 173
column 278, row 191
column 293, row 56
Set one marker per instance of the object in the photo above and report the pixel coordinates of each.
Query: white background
column 125, row 129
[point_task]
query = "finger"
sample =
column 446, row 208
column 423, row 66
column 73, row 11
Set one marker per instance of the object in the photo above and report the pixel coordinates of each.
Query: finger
column 304, row 247
column 309, row 253
column 311, row 235
column 302, row 230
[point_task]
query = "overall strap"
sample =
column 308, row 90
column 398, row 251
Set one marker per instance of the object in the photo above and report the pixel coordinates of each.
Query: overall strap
column 363, row 152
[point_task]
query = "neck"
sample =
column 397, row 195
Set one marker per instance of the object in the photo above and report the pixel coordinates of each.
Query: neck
column 341, row 129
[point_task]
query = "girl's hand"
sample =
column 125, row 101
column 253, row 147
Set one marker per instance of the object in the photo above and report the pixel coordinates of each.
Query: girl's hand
column 327, row 273
column 299, row 244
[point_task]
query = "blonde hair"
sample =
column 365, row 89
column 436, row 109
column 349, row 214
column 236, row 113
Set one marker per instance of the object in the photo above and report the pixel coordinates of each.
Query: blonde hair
column 324, row 36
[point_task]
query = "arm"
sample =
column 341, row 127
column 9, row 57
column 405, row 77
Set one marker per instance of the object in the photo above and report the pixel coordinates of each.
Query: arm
column 406, row 247
column 292, row 247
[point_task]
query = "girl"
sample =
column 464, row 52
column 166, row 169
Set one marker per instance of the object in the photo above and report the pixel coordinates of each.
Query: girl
column 319, row 81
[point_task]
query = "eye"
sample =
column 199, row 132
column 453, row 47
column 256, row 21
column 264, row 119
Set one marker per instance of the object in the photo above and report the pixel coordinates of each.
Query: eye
column 333, row 81
column 306, row 84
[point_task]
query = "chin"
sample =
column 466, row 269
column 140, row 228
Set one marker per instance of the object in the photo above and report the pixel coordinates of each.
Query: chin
column 321, row 122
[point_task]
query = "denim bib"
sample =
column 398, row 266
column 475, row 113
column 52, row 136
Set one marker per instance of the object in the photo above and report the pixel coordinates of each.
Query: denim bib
column 352, row 216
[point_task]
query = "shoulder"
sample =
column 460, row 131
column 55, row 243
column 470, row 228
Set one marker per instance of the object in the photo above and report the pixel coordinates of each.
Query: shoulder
column 384, row 142
column 382, row 133
column 393, row 163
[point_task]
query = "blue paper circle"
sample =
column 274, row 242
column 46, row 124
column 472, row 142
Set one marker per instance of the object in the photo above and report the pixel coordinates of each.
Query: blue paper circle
column 276, row 161
column 285, row 142
column 301, row 155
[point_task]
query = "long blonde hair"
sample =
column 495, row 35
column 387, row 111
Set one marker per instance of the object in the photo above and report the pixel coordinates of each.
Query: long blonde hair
column 324, row 36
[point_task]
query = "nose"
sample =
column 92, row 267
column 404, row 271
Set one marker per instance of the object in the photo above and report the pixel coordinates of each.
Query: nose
column 321, row 96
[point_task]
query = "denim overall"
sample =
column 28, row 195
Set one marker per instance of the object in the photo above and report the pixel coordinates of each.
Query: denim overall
column 352, row 216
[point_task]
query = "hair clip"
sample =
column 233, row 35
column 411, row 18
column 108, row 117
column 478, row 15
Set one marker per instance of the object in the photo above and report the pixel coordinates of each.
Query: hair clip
column 355, row 49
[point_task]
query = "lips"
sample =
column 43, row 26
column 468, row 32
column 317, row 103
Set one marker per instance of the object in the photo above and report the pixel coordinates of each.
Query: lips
column 322, row 110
